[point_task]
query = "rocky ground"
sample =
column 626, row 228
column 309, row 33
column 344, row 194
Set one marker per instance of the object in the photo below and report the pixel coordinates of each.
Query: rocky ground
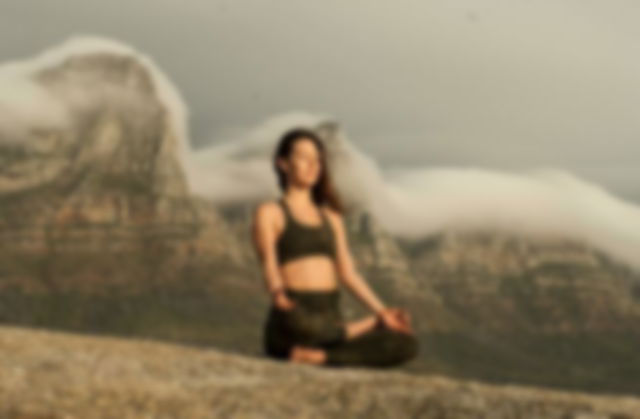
column 51, row 374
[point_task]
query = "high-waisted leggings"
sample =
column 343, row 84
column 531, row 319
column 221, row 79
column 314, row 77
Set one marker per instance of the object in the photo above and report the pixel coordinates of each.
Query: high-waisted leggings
column 316, row 321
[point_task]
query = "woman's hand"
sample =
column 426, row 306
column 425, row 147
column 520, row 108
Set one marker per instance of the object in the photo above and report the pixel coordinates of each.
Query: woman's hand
column 395, row 319
column 282, row 302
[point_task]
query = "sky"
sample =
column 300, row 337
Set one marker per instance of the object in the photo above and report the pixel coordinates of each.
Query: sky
column 492, row 83
column 483, row 83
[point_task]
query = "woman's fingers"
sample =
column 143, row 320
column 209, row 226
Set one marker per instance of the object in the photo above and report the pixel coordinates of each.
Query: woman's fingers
column 285, row 303
column 402, row 328
column 397, row 319
column 393, row 321
column 402, row 316
column 290, row 304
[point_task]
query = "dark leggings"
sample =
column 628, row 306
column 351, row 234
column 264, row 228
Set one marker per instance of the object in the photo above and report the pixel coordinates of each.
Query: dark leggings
column 316, row 320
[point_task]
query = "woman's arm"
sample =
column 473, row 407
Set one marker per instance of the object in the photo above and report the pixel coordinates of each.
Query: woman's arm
column 264, row 233
column 346, row 268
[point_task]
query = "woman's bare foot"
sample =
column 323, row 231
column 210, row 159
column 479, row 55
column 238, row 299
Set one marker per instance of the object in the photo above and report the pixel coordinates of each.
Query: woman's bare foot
column 307, row 355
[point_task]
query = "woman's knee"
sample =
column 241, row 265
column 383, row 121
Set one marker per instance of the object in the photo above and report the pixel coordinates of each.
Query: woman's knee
column 406, row 345
column 410, row 346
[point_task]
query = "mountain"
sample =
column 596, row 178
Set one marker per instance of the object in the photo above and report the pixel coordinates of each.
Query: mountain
column 108, row 183
column 101, row 233
column 503, row 282
column 99, row 230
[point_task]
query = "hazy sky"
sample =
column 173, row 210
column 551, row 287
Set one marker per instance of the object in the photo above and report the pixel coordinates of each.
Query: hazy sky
column 484, row 83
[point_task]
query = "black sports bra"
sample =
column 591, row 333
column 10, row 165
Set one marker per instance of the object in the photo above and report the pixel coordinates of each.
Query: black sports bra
column 298, row 239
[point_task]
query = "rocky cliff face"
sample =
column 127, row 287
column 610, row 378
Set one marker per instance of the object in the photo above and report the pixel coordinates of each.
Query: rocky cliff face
column 114, row 168
column 501, row 282
column 492, row 280
column 110, row 180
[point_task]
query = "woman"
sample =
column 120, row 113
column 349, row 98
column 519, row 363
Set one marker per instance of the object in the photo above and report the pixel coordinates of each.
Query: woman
column 302, row 246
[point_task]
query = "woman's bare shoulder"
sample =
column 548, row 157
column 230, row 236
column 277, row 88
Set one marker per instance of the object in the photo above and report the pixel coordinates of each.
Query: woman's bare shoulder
column 334, row 215
column 269, row 209
column 270, row 205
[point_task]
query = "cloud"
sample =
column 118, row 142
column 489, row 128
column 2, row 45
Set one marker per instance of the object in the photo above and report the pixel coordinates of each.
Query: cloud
column 25, row 105
column 28, row 104
column 239, row 168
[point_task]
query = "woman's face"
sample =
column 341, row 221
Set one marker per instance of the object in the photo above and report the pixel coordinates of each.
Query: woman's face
column 304, row 163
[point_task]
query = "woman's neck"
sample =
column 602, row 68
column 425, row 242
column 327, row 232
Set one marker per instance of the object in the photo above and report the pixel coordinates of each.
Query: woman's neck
column 302, row 196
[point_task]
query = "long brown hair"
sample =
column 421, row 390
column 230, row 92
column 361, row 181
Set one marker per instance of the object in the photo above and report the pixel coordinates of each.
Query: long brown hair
column 323, row 191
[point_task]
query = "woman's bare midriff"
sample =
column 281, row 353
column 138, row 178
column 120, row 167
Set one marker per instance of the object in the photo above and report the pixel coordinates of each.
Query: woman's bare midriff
column 310, row 273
